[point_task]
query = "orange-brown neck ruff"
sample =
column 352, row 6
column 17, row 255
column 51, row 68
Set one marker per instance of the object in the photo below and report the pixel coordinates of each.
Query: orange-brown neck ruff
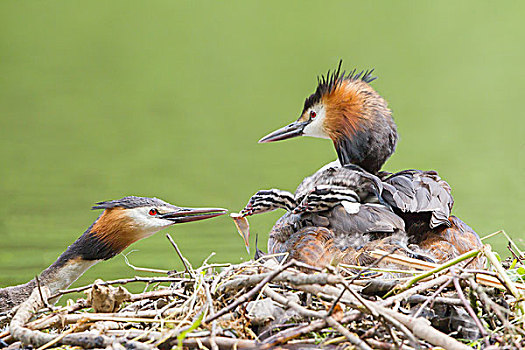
column 344, row 109
column 109, row 235
column 360, row 124
column 116, row 229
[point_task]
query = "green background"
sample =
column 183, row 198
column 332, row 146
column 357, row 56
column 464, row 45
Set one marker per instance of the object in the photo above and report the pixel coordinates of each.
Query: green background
column 102, row 99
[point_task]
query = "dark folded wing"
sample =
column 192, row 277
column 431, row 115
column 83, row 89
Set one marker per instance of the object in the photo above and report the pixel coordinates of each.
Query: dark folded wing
column 416, row 191
column 351, row 218
column 353, row 224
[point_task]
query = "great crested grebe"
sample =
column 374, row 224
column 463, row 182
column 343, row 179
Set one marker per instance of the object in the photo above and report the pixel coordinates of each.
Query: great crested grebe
column 347, row 110
column 123, row 222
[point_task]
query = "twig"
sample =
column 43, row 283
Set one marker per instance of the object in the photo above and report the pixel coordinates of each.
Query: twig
column 213, row 344
column 422, row 329
column 308, row 313
column 60, row 337
column 37, row 338
column 251, row 293
column 44, row 301
column 491, row 235
column 119, row 281
column 142, row 269
column 351, row 337
column 291, row 278
column 415, row 290
column 185, row 262
column 486, row 302
column 508, row 283
column 245, row 297
column 432, row 297
column 146, row 316
column 295, row 332
column 437, row 269
column 468, row 307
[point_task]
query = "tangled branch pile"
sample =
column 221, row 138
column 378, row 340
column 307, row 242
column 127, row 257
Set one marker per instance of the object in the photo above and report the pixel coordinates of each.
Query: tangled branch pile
column 264, row 304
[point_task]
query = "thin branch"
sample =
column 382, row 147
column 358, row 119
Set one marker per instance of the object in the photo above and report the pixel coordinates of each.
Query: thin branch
column 187, row 265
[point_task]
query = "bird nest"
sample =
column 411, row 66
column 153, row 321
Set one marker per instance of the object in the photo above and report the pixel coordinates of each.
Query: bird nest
column 264, row 304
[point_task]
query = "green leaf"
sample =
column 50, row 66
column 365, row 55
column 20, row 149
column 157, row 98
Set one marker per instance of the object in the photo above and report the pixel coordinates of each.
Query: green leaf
column 194, row 326
column 513, row 265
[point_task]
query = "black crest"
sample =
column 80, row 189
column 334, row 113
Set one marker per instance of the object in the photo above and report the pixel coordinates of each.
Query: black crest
column 327, row 83
column 131, row 202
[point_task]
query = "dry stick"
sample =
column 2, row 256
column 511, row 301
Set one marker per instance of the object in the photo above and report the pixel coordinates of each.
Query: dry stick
column 182, row 258
column 60, row 337
column 36, row 338
column 119, row 281
column 345, row 286
column 155, row 294
column 415, row 290
column 411, row 337
column 424, row 265
column 351, row 338
column 251, row 293
column 431, row 298
column 333, row 293
column 511, row 241
column 219, row 278
column 373, row 312
column 44, row 301
column 82, row 303
column 212, row 312
column 437, row 269
column 189, row 341
column 386, row 346
column 487, row 302
column 491, row 235
column 358, row 298
column 508, row 283
column 288, row 277
column 295, row 332
column 468, row 307
column 144, row 317
column 221, row 342
column 142, row 269
column 492, row 279
column 55, row 319
column 418, row 299
column 419, row 327
column 309, row 313
column 245, row 297
column 422, row 329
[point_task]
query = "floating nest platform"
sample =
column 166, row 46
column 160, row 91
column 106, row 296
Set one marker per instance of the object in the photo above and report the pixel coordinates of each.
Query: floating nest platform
column 265, row 304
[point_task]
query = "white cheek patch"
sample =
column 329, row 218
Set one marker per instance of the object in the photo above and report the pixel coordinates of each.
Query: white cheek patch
column 351, row 207
column 316, row 126
column 146, row 223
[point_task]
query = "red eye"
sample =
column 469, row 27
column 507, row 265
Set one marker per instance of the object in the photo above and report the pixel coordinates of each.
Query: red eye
column 153, row 212
column 313, row 114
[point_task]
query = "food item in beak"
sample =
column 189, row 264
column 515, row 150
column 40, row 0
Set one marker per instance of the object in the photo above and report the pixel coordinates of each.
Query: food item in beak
column 243, row 227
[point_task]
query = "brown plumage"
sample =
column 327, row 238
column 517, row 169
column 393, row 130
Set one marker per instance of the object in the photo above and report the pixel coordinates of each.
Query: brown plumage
column 115, row 229
column 320, row 247
column 446, row 243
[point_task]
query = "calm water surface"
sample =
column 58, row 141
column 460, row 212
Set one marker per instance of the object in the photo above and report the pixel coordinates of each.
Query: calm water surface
column 168, row 99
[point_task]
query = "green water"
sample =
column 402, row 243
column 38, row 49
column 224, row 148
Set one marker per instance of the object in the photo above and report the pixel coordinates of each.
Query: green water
column 102, row 99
